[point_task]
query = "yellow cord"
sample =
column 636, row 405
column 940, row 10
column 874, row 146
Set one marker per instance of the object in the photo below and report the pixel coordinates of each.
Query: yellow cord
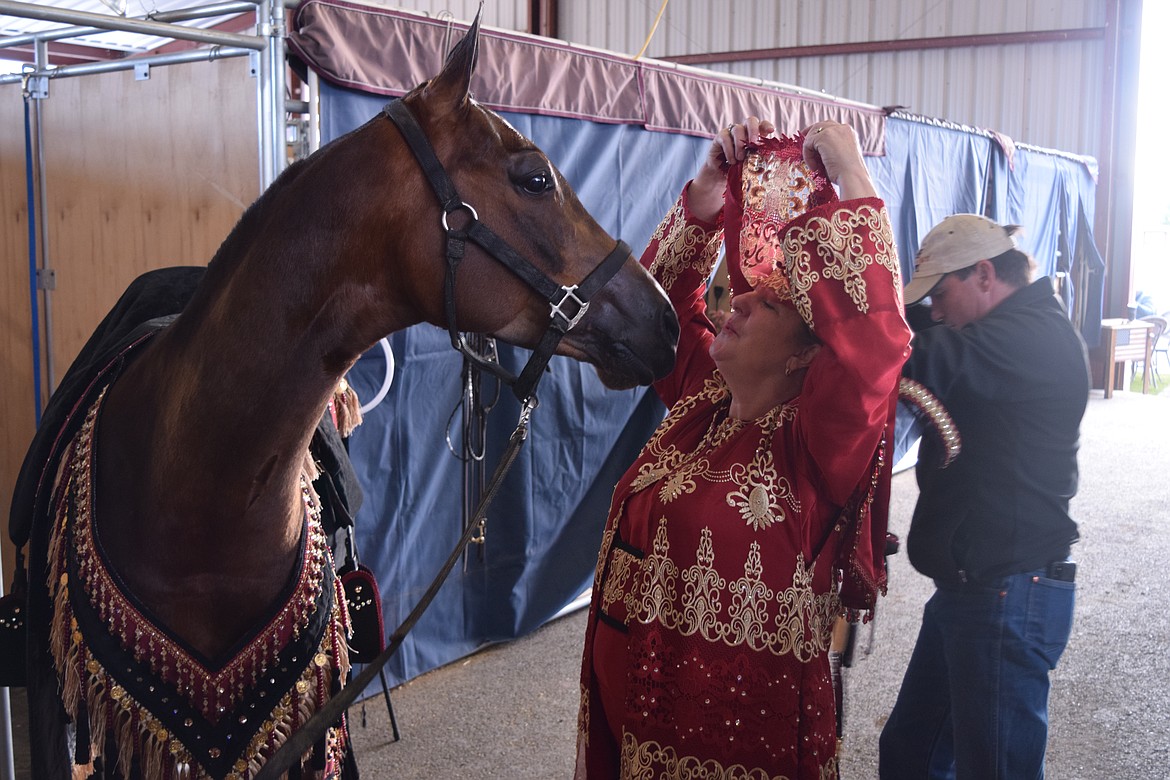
column 653, row 27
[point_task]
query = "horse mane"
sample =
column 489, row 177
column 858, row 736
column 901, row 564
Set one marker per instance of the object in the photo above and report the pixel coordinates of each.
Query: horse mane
column 229, row 253
column 236, row 244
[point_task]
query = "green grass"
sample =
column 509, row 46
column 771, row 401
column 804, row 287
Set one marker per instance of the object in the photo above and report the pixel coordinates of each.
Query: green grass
column 1156, row 386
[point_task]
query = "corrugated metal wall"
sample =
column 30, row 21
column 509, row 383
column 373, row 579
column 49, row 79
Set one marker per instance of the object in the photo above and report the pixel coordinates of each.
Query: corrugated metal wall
column 1047, row 94
column 1043, row 93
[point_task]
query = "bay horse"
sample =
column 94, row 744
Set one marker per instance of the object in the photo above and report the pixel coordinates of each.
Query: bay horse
column 180, row 521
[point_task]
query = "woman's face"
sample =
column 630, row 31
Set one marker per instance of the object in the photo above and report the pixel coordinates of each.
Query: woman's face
column 759, row 336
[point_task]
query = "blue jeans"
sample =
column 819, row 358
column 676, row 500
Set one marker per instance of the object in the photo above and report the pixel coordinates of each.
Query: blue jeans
column 974, row 702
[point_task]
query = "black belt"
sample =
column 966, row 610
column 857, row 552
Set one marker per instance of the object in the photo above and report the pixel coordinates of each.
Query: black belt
column 1062, row 570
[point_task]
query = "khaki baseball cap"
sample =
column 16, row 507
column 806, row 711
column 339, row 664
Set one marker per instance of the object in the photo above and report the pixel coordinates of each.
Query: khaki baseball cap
column 959, row 241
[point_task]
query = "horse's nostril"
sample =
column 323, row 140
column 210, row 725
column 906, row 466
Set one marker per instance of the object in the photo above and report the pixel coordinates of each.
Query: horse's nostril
column 670, row 323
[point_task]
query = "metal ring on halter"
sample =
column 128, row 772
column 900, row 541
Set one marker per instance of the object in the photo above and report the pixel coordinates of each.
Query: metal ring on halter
column 462, row 205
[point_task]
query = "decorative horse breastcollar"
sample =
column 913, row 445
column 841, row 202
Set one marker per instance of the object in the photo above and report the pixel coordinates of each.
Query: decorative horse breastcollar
column 128, row 682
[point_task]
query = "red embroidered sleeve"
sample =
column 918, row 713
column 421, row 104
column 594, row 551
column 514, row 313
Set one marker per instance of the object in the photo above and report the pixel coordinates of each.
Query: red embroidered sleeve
column 681, row 255
column 846, row 284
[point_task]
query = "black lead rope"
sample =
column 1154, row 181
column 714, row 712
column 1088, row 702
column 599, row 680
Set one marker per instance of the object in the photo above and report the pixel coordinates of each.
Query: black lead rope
column 567, row 303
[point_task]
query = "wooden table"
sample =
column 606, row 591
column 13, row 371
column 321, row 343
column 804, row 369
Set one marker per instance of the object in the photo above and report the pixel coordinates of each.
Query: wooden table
column 1126, row 340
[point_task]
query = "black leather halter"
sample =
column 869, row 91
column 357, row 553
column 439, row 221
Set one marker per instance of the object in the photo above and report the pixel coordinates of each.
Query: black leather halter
column 567, row 303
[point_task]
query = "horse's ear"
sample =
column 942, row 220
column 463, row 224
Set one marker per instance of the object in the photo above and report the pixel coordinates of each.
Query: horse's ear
column 455, row 79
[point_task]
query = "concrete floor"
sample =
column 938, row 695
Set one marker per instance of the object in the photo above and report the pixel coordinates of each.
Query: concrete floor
column 510, row 711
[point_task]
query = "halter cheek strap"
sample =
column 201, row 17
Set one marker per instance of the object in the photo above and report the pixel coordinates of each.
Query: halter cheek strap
column 567, row 303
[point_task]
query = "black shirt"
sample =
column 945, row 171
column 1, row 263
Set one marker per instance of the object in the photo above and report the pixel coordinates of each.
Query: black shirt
column 1016, row 383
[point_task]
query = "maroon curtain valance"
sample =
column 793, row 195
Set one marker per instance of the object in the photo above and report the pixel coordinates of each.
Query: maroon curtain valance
column 388, row 52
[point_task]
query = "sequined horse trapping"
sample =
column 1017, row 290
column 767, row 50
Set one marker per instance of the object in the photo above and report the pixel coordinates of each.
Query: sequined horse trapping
column 128, row 681
column 926, row 404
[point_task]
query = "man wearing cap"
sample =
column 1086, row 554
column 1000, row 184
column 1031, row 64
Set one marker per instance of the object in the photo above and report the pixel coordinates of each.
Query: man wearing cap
column 992, row 528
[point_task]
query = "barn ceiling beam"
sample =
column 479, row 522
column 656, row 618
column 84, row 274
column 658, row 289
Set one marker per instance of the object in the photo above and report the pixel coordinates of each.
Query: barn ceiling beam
column 130, row 63
column 542, row 18
column 62, row 53
column 15, row 48
column 904, row 44
column 183, row 15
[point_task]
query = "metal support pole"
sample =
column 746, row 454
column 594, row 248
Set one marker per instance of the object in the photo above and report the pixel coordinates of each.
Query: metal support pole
column 174, row 58
column 42, row 63
column 272, row 74
column 279, row 87
column 263, row 87
column 314, row 84
column 7, row 759
column 143, row 26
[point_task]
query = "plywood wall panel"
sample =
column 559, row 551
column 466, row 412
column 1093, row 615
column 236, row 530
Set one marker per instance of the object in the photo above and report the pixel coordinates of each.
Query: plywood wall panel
column 17, row 409
column 139, row 175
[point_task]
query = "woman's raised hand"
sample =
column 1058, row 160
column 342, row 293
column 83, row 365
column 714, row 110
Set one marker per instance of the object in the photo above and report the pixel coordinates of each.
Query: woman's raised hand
column 705, row 196
column 836, row 146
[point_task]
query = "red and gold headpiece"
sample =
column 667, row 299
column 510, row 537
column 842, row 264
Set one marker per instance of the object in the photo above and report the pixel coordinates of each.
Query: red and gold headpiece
column 771, row 187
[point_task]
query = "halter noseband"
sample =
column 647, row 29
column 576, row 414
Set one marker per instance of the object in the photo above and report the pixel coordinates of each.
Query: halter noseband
column 567, row 303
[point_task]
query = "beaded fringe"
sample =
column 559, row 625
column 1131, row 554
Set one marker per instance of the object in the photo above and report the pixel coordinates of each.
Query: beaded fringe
column 937, row 415
column 89, row 691
column 103, row 709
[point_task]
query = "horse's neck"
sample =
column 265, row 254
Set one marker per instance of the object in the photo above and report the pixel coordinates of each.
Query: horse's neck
column 191, row 427
column 200, row 448
column 239, row 387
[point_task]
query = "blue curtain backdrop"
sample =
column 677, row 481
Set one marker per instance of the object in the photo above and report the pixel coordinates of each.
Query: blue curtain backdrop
column 544, row 528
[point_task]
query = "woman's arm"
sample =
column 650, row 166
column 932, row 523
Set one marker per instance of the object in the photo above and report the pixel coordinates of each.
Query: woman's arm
column 681, row 255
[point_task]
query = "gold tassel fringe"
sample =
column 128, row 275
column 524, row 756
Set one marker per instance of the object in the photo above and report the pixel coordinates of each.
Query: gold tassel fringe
column 347, row 408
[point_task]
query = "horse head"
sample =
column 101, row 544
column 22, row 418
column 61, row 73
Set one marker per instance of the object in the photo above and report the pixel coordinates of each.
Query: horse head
column 630, row 329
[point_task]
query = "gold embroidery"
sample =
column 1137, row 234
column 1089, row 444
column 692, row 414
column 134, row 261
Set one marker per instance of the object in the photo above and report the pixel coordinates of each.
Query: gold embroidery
column 749, row 604
column 652, row 760
column 682, row 246
column 583, row 719
column 805, row 618
column 841, row 253
column 619, row 574
column 801, row 617
column 701, row 603
column 655, row 597
column 680, row 469
column 668, row 460
column 776, row 190
column 761, row 491
column 88, row 687
column 936, row 414
column 759, row 494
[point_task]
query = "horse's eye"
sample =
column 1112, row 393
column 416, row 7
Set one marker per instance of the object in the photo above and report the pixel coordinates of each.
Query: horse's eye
column 538, row 182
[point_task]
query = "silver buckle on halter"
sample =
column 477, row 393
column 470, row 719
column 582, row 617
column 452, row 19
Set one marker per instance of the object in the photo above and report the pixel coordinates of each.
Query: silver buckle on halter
column 570, row 293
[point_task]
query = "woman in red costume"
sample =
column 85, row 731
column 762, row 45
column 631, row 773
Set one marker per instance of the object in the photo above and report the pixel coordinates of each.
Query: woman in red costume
column 756, row 513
